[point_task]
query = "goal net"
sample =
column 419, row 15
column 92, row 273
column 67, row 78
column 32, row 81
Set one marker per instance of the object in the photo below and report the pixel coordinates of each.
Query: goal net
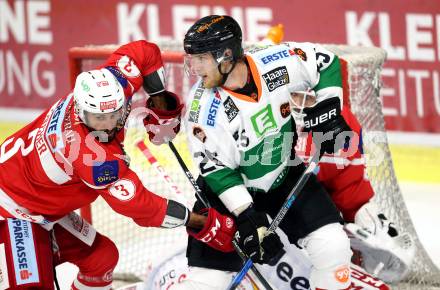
column 143, row 249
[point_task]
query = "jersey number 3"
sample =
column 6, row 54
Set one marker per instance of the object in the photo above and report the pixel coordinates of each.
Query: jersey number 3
column 19, row 144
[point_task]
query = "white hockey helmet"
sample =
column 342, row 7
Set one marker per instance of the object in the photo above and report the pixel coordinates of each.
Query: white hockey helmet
column 98, row 91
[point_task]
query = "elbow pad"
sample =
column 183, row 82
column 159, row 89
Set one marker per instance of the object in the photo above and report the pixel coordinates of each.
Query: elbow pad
column 177, row 215
column 154, row 83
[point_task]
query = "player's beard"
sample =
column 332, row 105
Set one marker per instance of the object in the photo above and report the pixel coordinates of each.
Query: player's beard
column 213, row 80
column 105, row 136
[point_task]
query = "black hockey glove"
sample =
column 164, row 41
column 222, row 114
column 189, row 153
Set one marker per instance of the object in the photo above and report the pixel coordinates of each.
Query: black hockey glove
column 251, row 235
column 329, row 129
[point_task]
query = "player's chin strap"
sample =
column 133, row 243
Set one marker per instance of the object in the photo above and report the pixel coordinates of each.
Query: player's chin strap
column 225, row 75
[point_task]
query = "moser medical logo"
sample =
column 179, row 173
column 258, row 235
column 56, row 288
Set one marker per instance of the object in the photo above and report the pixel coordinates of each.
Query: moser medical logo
column 23, row 252
column 276, row 78
column 263, row 121
column 194, row 109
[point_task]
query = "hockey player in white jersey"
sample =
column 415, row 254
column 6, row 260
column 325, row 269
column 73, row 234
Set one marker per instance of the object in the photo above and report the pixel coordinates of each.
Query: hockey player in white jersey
column 241, row 107
column 351, row 192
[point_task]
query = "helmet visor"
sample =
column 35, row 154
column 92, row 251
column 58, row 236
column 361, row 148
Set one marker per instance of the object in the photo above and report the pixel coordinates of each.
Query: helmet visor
column 199, row 64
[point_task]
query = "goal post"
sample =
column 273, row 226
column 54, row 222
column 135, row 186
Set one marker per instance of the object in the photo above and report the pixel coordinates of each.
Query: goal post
column 142, row 249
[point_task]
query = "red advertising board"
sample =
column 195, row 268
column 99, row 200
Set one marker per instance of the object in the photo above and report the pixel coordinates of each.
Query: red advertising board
column 36, row 35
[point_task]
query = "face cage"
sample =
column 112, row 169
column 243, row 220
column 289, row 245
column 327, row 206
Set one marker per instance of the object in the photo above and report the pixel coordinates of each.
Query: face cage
column 126, row 108
column 308, row 100
column 123, row 120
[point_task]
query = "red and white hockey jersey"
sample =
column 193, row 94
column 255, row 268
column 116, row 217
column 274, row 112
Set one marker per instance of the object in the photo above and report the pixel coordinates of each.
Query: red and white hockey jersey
column 343, row 174
column 54, row 166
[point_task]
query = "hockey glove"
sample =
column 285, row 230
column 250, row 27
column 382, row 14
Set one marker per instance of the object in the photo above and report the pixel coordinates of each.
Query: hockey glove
column 386, row 253
column 163, row 124
column 253, row 237
column 218, row 231
column 330, row 131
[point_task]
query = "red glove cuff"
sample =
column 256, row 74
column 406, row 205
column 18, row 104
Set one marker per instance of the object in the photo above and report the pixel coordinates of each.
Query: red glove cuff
column 163, row 125
column 174, row 106
column 218, row 231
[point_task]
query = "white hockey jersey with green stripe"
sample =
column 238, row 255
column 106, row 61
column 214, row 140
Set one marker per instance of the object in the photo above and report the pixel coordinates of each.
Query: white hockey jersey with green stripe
column 237, row 140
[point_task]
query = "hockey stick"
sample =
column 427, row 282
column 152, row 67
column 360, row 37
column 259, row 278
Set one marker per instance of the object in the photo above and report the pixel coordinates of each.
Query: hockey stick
column 280, row 216
column 206, row 204
column 189, row 175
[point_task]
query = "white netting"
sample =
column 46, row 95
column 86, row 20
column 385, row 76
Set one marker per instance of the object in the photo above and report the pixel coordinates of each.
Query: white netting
column 364, row 78
column 141, row 249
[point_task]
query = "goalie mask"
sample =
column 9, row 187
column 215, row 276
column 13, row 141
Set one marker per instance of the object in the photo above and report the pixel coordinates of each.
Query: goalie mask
column 300, row 100
column 100, row 103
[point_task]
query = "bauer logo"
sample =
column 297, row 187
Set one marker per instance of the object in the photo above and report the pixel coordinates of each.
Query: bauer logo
column 276, row 78
column 23, row 252
column 105, row 172
column 123, row 189
column 313, row 122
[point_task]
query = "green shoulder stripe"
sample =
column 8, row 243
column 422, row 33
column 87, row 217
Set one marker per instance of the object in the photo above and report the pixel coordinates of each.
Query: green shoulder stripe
column 223, row 179
column 331, row 76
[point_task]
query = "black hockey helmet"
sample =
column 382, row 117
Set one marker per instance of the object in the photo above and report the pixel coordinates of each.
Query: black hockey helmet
column 215, row 34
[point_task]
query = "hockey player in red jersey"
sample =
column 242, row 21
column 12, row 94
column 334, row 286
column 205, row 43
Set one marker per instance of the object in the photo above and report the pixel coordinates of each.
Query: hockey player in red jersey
column 73, row 153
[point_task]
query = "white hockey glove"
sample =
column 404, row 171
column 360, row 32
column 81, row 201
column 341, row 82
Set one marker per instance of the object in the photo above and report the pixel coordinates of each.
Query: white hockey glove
column 386, row 253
